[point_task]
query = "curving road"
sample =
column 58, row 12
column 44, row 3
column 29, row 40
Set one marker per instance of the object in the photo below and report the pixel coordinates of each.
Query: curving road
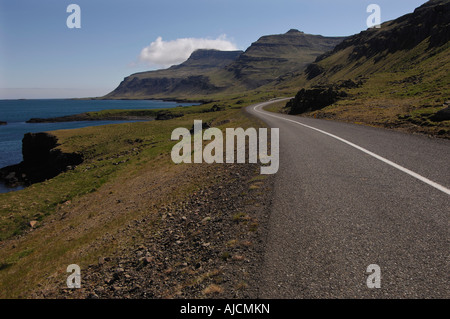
column 349, row 196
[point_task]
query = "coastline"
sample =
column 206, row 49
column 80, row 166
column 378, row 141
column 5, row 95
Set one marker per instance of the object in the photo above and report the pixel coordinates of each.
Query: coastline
column 87, row 117
column 176, row 100
column 25, row 173
column 11, row 170
column 42, row 160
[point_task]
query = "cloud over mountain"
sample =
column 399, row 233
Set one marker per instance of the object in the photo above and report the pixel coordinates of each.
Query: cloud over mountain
column 167, row 53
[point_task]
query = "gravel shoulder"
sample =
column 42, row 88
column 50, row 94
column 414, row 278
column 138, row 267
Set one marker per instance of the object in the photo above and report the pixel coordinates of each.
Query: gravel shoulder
column 207, row 245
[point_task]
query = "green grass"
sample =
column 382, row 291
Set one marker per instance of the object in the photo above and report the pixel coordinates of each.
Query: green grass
column 68, row 232
column 276, row 107
column 108, row 150
column 402, row 90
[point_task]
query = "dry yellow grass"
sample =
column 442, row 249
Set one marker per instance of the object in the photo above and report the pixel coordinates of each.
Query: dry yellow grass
column 212, row 290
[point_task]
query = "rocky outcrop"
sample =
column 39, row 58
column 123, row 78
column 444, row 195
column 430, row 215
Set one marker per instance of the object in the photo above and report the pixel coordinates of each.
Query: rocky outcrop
column 442, row 115
column 41, row 161
column 3, row 123
column 313, row 99
column 313, row 70
column 164, row 115
column 88, row 117
column 215, row 108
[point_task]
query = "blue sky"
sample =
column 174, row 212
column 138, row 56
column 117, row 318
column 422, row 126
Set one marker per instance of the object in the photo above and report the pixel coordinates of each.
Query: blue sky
column 40, row 57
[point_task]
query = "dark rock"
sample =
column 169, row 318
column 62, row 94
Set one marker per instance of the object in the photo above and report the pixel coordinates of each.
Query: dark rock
column 67, row 118
column 41, row 161
column 36, row 146
column 308, row 100
column 146, row 260
column 11, row 179
column 167, row 115
column 350, row 84
column 313, row 70
column 216, row 108
column 3, row 123
column 294, row 31
column 87, row 117
column 119, row 271
column 442, row 115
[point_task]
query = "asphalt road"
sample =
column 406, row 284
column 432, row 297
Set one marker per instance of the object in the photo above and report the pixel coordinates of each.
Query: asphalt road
column 349, row 196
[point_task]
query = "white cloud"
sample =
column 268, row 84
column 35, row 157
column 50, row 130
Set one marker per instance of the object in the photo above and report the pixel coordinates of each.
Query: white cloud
column 167, row 53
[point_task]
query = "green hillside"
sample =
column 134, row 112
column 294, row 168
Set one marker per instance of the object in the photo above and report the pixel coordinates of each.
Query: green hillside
column 275, row 56
column 395, row 76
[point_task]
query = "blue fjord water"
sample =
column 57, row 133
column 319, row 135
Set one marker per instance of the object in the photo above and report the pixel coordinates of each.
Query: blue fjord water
column 17, row 112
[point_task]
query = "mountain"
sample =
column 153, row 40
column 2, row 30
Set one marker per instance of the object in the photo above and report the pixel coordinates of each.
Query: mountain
column 209, row 72
column 397, row 75
column 188, row 77
column 273, row 56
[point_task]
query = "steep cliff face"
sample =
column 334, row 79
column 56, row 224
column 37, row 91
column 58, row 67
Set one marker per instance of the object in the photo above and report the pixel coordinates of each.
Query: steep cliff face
column 421, row 34
column 432, row 20
column 208, row 59
column 149, row 87
column 41, row 161
column 190, row 77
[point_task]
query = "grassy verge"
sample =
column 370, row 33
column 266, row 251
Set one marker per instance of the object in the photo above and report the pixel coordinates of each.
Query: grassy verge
column 409, row 115
column 278, row 107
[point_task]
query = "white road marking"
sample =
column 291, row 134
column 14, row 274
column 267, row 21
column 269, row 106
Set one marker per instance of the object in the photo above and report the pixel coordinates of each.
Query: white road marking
column 385, row 160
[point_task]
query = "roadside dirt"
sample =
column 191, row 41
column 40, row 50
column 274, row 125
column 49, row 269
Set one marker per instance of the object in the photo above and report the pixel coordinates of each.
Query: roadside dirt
column 209, row 244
